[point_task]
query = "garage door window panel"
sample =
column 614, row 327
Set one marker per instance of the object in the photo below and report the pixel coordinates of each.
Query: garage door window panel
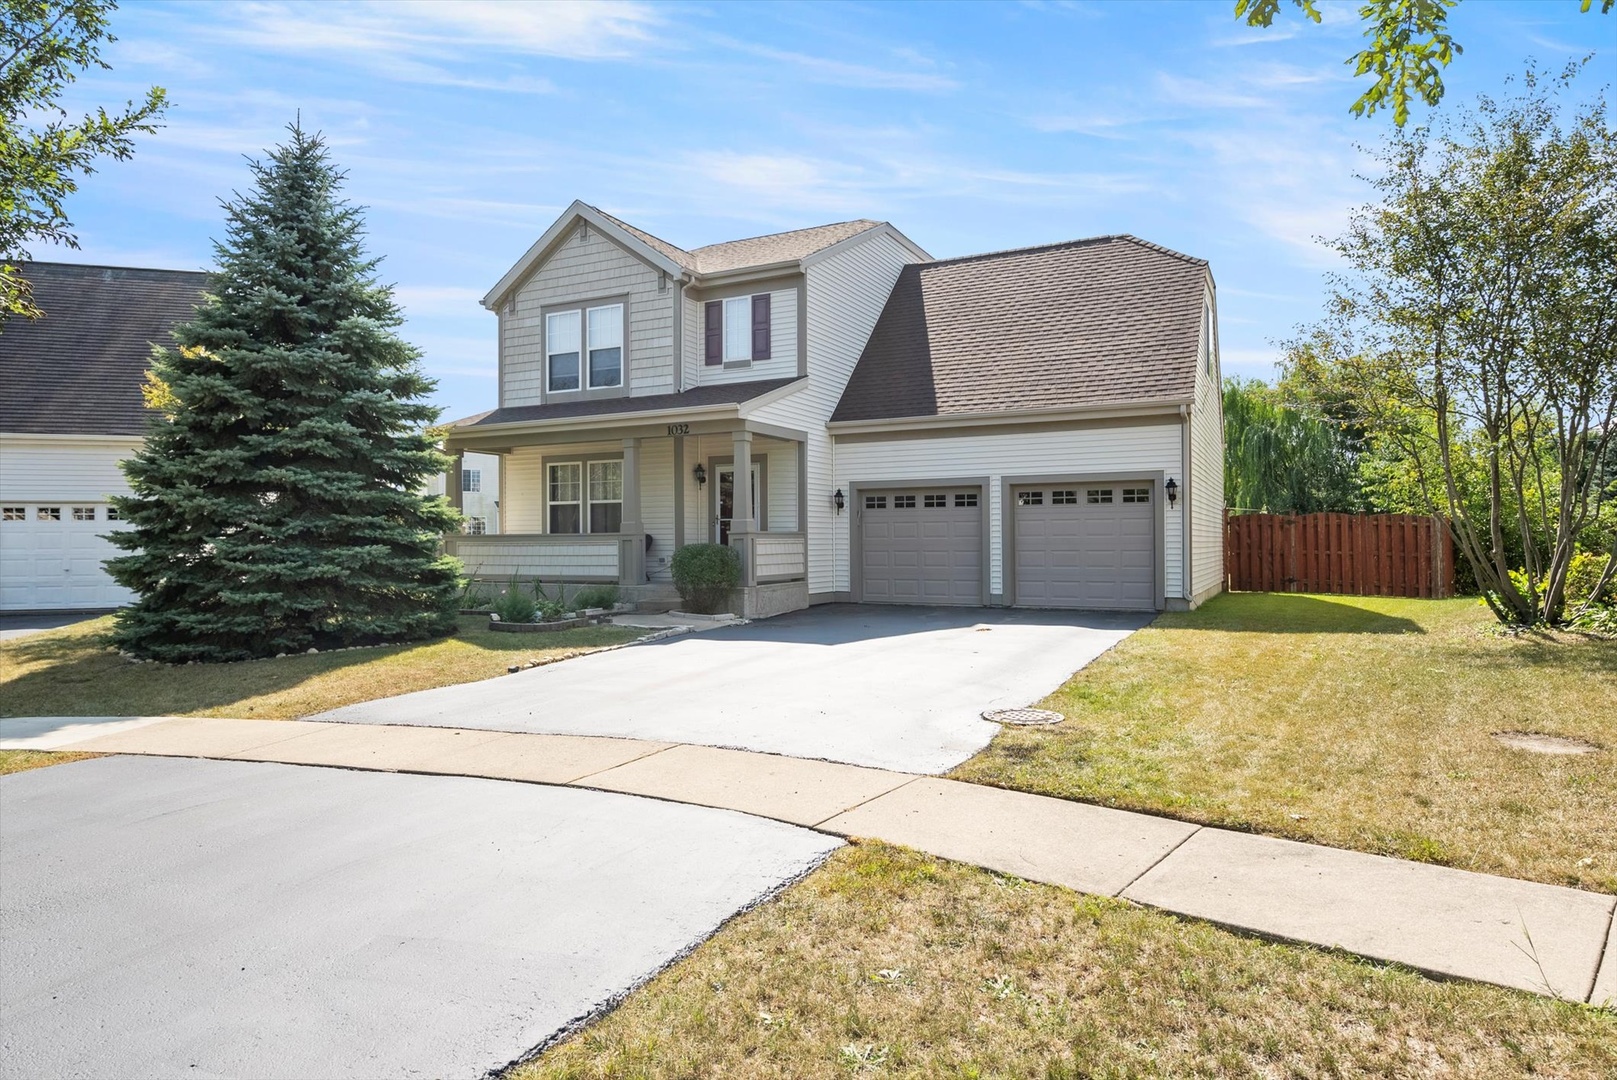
column 14, row 513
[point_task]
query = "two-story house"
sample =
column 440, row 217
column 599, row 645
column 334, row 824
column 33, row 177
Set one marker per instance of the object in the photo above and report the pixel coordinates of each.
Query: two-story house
column 1038, row 427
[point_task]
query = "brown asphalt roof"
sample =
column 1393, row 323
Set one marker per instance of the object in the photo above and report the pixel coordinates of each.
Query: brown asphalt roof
column 79, row 369
column 754, row 251
column 694, row 398
column 1106, row 321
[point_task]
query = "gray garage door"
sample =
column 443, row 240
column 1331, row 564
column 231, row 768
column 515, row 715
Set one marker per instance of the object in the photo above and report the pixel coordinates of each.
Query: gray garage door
column 1086, row 546
column 921, row 546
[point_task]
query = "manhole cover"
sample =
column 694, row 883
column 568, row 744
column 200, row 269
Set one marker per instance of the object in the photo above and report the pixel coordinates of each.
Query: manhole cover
column 1023, row 717
column 1539, row 743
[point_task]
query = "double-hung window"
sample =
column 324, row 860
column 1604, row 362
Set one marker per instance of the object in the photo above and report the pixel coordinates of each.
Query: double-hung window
column 584, row 349
column 737, row 330
column 585, row 497
column 471, row 480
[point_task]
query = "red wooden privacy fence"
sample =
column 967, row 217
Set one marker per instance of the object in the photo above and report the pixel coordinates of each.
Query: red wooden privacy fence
column 1360, row 554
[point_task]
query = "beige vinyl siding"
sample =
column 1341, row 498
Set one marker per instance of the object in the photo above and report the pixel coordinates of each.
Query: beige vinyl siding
column 578, row 271
column 62, row 469
column 1123, row 452
column 524, row 499
column 780, row 489
column 782, row 362
column 1206, row 489
column 657, row 503
column 846, row 293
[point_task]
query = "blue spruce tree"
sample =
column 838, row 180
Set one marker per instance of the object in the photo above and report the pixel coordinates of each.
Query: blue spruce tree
column 276, row 504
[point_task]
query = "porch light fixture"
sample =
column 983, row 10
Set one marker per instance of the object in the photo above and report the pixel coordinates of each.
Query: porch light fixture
column 700, row 473
column 838, row 501
column 1172, row 488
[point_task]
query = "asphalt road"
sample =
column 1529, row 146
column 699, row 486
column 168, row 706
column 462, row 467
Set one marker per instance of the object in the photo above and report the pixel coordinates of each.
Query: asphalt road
column 888, row 687
column 193, row 918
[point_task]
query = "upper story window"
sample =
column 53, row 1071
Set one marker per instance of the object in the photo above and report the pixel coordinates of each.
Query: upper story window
column 595, row 333
column 471, row 480
column 1207, row 338
column 737, row 330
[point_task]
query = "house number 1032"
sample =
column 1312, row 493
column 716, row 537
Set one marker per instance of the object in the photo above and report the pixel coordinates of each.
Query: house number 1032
column 679, row 429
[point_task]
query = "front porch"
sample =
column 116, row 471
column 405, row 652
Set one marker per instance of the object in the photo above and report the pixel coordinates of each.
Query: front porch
column 612, row 506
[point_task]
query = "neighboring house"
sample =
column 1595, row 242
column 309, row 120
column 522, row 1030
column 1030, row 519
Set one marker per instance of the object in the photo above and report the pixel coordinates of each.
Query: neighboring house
column 70, row 410
column 480, row 492
column 1037, row 427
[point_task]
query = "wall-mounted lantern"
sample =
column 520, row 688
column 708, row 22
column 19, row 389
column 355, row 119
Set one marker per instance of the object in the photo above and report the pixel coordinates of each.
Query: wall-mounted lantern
column 1172, row 488
column 838, row 501
column 700, row 473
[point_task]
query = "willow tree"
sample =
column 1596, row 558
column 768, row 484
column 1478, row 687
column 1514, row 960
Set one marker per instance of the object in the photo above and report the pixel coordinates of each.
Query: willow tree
column 276, row 503
column 1479, row 322
column 1284, row 457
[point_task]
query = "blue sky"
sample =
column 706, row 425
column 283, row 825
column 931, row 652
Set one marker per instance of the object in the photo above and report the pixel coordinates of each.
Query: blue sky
column 467, row 127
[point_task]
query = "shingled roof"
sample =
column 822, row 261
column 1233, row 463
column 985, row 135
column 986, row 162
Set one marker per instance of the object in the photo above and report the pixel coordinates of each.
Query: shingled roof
column 79, row 369
column 753, row 251
column 1111, row 320
column 695, row 398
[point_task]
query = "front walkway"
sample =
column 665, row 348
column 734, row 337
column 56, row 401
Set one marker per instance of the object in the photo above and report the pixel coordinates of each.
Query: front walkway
column 1540, row 938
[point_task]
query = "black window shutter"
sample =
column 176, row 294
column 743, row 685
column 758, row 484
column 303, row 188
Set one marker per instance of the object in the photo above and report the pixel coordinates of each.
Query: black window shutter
column 715, row 333
column 760, row 327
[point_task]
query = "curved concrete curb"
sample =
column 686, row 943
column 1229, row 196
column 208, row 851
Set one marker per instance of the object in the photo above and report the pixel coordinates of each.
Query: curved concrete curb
column 1544, row 939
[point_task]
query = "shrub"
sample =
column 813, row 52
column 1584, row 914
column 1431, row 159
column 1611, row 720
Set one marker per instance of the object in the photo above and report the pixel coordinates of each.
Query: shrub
column 705, row 574
column 515, row 606
column 601, row 596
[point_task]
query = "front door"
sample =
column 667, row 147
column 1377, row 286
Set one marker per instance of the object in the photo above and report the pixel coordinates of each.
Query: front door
column 724, row 491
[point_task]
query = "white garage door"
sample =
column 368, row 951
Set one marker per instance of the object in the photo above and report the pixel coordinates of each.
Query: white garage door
column 1088, row 546
column 50, row 558
column 921, row 546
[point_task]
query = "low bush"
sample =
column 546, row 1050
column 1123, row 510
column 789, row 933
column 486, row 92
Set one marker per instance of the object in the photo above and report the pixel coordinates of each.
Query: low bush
column 517, row 605
column 705, row 574
column 601, row 596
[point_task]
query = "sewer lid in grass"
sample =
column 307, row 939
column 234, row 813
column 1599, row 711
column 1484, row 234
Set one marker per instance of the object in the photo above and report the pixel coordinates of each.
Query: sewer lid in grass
column 1023, row 717
column 1538, row 743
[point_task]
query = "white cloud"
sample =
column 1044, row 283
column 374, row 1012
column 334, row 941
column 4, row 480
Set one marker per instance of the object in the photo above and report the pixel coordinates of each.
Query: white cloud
column 422, row 300
column 913, row 75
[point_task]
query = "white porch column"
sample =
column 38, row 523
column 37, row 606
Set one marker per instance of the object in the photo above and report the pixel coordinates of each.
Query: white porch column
column 632, row 554
column 741, row 504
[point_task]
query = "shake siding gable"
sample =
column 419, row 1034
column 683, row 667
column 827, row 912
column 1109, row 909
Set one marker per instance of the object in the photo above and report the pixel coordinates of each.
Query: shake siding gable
column 594, row 268
column 846, row 293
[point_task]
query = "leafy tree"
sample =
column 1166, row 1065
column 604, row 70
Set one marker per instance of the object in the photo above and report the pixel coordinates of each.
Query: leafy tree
column 1283, row 458
column 275, row 503
column 1477, row 334
column 1409, row 44
column 44, row 44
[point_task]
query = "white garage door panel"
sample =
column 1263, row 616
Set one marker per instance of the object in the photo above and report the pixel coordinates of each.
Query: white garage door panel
column 56, row 565
column 920, row 554
column 1083, row 554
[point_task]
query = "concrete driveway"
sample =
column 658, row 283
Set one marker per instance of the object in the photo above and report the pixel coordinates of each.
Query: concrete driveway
column 888, row 687
column 166, row 917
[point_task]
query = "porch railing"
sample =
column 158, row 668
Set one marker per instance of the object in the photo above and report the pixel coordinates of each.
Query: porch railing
column 541, row 555
column 772, row 557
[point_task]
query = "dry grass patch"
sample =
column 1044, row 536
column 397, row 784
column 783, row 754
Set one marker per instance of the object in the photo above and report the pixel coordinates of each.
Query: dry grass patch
column 889, row 963
column 71, row 672
column 1358, row 722
column 15, row 761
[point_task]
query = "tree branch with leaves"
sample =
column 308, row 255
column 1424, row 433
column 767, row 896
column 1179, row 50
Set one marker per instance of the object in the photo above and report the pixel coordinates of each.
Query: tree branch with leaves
column 44, row 46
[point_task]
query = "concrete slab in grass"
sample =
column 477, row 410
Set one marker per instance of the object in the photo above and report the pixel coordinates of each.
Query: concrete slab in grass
column 199, row 737
column 369, row 747
column 1605, row 994
column 60, row 732
column 795, row 790
column 1451, row 922
column 1089, row 848
column 543, row 759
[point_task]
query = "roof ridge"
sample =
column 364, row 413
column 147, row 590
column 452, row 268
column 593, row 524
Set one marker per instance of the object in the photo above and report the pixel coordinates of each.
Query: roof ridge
column 111, row 266
column 869, row 222
column 1109, row 238
column 637, row 229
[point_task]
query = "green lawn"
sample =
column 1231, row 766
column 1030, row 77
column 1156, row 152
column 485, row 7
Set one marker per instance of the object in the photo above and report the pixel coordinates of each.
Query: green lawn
column 888, row 963
column 1352, row 721
column 71, row 672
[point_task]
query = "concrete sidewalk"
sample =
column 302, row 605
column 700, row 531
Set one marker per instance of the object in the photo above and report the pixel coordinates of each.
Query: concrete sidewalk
column 1540, row 938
